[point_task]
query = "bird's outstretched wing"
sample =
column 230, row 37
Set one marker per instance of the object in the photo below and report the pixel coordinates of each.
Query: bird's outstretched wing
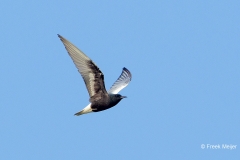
column 92, row 76
column 122, row 81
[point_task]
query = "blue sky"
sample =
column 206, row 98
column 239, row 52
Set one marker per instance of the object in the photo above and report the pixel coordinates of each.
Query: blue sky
column 184, row 58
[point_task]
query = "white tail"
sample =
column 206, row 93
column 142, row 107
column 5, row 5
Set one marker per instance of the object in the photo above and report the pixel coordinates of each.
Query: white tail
column 85, row 110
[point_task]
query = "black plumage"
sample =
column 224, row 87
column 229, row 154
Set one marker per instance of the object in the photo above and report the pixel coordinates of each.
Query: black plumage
column 94, row 80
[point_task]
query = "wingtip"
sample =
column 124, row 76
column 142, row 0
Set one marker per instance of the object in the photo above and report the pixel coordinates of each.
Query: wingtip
column 59, row 36
column 125, row 69
column 62, row 39
column 129, row 73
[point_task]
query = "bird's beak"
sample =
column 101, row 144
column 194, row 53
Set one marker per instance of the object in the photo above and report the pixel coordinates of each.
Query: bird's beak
column 123, row 97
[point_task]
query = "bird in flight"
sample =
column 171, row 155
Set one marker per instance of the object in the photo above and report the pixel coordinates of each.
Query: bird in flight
column 100, row 99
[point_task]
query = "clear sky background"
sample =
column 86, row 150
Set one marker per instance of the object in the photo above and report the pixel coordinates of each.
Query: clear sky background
column 184, row 57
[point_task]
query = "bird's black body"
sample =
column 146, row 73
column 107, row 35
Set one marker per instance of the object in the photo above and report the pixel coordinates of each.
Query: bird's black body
column 94, row 80
column 106, row 102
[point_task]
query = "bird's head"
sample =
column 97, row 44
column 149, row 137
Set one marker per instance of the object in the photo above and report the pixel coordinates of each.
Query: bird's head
column 116, row 98
column 119, row 96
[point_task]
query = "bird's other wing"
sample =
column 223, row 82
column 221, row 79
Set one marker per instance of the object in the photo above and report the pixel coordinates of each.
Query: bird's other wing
column 122, row 81
column 92, row 75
